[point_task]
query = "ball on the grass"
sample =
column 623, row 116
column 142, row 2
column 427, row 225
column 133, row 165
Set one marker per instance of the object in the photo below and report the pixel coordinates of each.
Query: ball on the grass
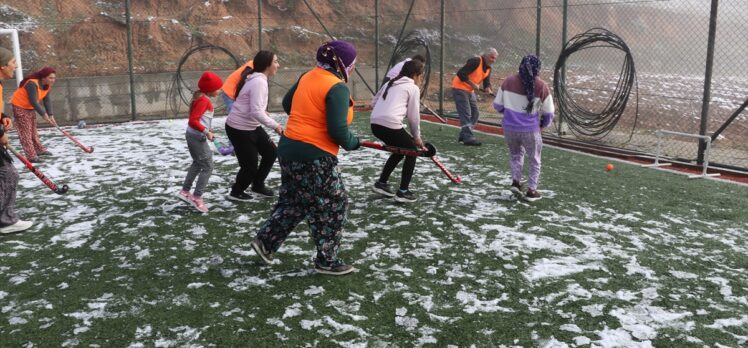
column 609, row 167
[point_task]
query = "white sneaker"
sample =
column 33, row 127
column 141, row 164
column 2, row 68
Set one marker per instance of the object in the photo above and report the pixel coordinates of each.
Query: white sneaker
column 19, row 226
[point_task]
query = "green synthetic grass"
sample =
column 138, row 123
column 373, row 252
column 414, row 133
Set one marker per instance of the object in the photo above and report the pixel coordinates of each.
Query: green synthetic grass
column 632, row 257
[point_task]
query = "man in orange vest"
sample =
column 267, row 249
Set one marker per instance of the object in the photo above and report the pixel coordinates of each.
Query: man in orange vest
column 464, row 84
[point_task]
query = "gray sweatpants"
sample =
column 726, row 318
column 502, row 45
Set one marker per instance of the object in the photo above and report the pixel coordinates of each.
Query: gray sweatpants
column 8, row 183
column 202, row 162
column 521, row 144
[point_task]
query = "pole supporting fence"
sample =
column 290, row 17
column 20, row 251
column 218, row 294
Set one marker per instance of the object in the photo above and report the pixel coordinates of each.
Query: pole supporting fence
column 708, row 146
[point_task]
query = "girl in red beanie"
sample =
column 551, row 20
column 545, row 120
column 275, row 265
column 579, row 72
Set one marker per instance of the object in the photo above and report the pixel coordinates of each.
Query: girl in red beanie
column 198, row 133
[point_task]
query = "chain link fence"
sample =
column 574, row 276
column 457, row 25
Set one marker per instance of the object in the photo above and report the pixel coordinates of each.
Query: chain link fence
column 88, row 43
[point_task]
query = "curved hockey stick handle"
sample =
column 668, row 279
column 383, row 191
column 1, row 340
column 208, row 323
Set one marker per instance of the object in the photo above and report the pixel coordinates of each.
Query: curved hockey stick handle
column 430, row 150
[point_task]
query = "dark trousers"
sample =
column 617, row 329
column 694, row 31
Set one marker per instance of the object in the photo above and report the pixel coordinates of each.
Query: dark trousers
column 247, row 145
column 400, row 138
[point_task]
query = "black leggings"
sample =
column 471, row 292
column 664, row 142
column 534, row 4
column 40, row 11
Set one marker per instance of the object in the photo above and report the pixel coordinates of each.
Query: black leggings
column 247, row 144
column 400, row 138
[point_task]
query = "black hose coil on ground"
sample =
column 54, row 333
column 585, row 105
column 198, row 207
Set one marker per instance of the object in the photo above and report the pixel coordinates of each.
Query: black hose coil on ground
column 580, row 120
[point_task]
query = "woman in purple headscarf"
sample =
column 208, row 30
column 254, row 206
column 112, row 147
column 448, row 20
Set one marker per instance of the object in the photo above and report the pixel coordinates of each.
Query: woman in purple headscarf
column 527, row 105
column 320, row 109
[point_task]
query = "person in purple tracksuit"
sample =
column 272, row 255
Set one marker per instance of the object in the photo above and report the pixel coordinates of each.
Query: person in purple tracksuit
column 527, row 105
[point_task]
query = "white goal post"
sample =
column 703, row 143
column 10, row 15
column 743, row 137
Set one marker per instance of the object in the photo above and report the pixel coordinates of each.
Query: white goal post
column 16, row 51
column 708, row 140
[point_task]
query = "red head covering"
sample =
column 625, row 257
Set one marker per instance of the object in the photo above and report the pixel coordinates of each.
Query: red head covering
column 38, row 75
column 209, row 82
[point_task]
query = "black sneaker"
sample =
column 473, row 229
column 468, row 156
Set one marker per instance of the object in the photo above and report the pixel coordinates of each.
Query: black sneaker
column 241, row 197
column 263, row 192
column 335, row 268
column 405, row 196
column 382, row 189
column 532, row 195
column 472, row 142
column 516, row 187
column 259, row 247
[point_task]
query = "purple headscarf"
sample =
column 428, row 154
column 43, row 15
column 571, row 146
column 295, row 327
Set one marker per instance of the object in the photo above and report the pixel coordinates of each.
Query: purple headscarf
column 337, row 54
column 528, row 71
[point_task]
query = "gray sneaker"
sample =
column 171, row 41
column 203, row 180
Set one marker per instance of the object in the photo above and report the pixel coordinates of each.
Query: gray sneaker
column 259, row 247
column 336, row 268
column 19, row 226
column 382, row 189
column 406, row 196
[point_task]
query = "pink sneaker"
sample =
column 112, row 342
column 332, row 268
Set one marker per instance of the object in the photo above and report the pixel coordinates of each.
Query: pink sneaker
column 199, row 204
column 185, row 196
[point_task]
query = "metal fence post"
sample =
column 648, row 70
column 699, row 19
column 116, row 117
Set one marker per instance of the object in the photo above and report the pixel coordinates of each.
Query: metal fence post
column 259, row 24
column 564, row 28
column 441, row 61
column 707, row 80
column 376, row 45
column 537, row 29
column 129, row 60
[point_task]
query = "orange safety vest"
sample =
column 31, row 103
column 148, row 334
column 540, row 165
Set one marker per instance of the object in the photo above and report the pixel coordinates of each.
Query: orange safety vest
column 21, row 97
column 307, row 121
column 476, row 76
column 229, row 86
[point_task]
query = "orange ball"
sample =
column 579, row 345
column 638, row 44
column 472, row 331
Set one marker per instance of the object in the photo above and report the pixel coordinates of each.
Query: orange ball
column 609, row 167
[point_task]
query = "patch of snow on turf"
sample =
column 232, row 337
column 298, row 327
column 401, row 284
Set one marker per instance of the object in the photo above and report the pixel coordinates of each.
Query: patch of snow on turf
column 293, row 310
column 314, row 290
column 558, row 267
column 472, row 304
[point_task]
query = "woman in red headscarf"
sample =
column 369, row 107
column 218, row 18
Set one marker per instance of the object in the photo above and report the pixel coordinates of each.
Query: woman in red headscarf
column 33, row 90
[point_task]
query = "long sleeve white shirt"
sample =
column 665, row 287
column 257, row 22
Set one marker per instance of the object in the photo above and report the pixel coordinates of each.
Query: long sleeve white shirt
column 403, row 100
column 249, row 110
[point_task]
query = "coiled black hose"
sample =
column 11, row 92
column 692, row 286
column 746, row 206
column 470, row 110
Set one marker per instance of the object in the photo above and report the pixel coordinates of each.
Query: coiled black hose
column 582, row 121
column 179, row 88
column 406, row 48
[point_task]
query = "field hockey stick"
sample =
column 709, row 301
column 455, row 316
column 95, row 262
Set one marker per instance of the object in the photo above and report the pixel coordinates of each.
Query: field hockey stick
column 430, row 149
column 455, row 179
column 84, row 147
column 223, row 150
column 441, row 119
column 44, row 179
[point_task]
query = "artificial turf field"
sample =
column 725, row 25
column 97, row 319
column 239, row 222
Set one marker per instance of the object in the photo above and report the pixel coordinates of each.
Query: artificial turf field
column 634, row 257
